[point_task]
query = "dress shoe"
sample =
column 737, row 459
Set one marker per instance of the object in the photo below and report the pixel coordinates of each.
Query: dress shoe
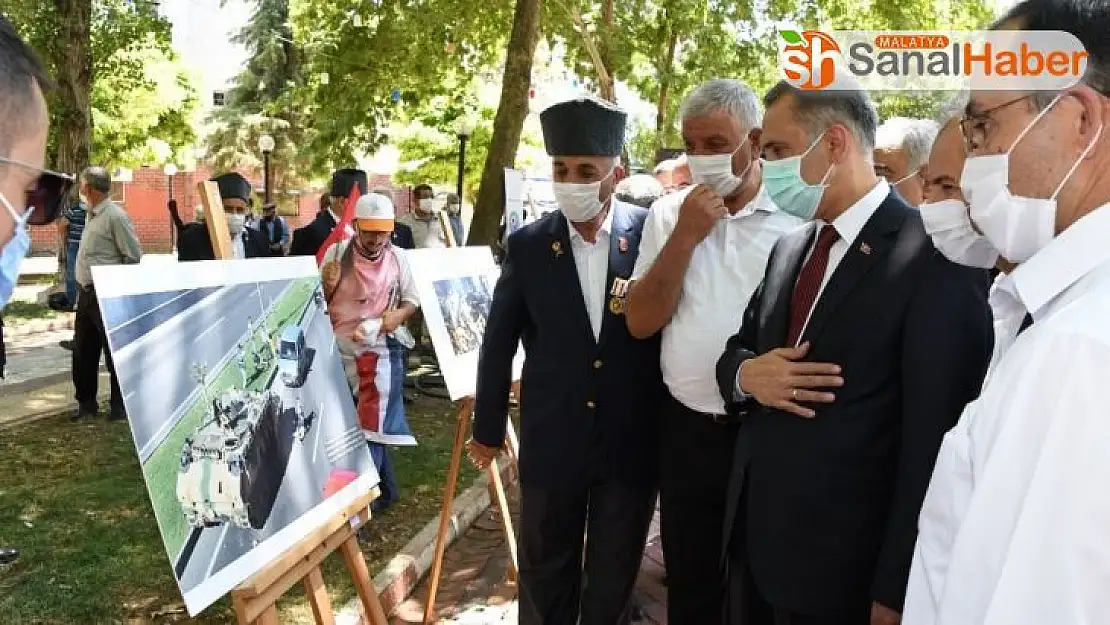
column 88, row 411
column 117, row 413
column 8, row 555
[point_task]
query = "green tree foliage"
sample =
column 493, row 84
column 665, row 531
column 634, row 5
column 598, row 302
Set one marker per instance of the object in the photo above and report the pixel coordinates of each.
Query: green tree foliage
column 121, row 92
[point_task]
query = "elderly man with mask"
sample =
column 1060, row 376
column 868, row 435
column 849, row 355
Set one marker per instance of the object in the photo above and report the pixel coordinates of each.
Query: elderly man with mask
column 193, row 240
column 901, row 152
column 591, row 390
column 29, row 194
column 370, row 294
column 427, row 231
column 1013, row 529
column 855, row 355
column 702, row 256
column 639, row 190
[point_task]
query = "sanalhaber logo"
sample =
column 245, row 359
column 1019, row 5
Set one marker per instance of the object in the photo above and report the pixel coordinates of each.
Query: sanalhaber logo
column 916, row 60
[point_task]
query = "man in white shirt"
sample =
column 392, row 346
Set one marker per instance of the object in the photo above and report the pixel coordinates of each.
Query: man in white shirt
column 1013, row 530
column 702, row 255
column 590, row 391
column 423, row 219
column 901, row 152
column 855, row 355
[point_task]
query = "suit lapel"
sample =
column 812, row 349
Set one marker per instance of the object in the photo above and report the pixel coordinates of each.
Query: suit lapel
column 565, row 274
column 780, row 282
column 872, row 245
column 621, row 263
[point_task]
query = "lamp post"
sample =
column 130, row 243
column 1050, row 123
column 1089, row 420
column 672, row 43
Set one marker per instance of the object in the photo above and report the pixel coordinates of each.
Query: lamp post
column 171, row 170
column 464, row 127
column 266, row 145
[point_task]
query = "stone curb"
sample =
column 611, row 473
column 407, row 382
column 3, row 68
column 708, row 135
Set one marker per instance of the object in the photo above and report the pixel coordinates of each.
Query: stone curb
column 35, row 326
column 412, row 562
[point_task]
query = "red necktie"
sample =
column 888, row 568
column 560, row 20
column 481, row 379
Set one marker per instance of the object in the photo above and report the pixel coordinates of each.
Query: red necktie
column 809, row 283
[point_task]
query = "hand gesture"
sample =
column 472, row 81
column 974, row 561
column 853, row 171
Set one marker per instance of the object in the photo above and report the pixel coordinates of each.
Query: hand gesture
column 391, row 320
column 776, row 379
column 329, row 274
column 700, row 211
column 480, row 455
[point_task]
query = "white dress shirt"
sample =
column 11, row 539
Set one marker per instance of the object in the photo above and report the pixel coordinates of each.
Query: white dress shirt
column 1015, row 527
column 848, row 225
column 238, row 250
column 725, row 269
column 426, row 233
column 591, row 260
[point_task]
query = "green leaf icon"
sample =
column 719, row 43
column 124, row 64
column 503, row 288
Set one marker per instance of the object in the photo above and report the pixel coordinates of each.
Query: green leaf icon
column 790, row 36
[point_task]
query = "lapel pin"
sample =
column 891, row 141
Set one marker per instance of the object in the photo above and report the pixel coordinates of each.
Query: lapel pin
column 622, row 244
column 556, row 249
column 865, row 248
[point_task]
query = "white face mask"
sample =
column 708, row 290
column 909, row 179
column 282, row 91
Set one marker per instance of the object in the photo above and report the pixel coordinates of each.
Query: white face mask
column 947, row 223
column 715, row 171
column 235, row 223
column 1018, row 227
column 580, row 202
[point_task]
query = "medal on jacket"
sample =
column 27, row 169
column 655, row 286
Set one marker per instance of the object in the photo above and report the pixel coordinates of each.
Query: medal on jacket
column 617, row 293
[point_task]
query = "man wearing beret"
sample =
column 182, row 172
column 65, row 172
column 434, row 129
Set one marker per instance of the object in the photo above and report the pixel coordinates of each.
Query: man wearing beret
column 591, row 392
column 193, row 242
column 308, row 240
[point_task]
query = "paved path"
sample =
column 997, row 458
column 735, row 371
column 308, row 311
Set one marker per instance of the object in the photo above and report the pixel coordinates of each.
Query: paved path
column 473, row 590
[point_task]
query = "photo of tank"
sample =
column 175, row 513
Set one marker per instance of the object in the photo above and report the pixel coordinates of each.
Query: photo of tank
column 225, row 380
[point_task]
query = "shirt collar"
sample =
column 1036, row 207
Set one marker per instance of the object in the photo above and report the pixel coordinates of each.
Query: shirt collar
column 851, row 222
column 606, row 225
column 96, row 210
column 1066, row 259
column 761, row 202
column 334, row 216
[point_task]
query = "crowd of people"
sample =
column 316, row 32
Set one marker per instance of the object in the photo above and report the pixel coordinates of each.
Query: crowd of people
column 857, row 364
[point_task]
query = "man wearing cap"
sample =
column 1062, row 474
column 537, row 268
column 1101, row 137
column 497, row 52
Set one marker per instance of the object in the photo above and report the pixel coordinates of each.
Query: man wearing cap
column 592, row 391
column 274, row 228
column 370, row 294
column 193, row 240
column 308, row 239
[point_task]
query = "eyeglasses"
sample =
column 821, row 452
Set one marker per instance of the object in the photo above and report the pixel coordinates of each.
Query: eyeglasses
column 976, row 127
column 44, row 201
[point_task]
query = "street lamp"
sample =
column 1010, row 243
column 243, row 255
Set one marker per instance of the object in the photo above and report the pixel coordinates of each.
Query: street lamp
column 171, row 170
column 266, row 145
column 464, row 127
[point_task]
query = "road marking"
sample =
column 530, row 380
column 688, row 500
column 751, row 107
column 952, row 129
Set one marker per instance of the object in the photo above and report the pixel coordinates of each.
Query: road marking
column 162, row 305
column 216, row 551
column 212, row 327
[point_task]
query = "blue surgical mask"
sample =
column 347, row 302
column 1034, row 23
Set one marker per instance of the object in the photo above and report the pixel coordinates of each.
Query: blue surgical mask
column 788, row 190
column 13, row 253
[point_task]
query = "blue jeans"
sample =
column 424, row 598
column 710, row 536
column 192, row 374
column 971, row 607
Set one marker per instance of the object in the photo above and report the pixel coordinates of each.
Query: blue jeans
column 71, row 272
column 457, row 228
column 388, row 485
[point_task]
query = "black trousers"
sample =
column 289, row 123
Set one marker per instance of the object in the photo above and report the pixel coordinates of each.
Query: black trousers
column 612, row 518
column 89, row 342
column 747, row 606
column 694, row 470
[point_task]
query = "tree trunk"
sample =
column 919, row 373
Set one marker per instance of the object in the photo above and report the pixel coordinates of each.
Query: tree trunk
column 74, row 77
column 509, row 122
column 663, row 105
column 608, row 88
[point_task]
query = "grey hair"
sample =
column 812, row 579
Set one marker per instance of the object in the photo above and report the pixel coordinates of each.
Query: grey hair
column 915, row 136
column 727, row 95
column 98, row 178
column 851, row 108
column 640, row 189
column 953, row 109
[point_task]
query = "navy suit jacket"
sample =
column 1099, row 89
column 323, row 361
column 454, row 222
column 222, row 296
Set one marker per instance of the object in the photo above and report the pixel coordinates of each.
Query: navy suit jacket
column 827, row 507
column 193, row 243
column 402, row 237
column 308, row 239
column 588, row 406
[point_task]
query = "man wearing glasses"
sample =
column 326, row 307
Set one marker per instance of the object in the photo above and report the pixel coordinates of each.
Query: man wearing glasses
column 28, row 194
column 1013, row 526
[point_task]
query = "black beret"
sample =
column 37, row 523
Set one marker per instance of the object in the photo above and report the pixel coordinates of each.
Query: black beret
column 585, row 126
column 234, row 185
column 343, row 180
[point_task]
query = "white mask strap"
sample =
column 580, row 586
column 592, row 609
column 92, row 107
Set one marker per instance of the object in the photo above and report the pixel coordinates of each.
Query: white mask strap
column 908, row 176
column 1079, row 160
column 19, row 219
column 1034, row 123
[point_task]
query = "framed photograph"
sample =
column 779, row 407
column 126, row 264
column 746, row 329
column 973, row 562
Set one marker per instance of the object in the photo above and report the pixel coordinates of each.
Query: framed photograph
column 239, row 407
column 456, row 289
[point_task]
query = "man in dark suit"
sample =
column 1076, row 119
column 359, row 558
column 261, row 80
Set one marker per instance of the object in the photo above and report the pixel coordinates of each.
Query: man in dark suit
column 590, row 392
column 856, row 354
column 193, row 241
column 308, row 239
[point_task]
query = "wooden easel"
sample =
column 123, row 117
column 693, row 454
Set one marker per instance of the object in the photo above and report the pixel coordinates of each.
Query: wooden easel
column 497, row 492
column 255, row 599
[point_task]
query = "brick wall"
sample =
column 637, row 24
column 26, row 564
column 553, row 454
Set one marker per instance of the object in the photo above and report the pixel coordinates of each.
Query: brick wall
column 145, row 197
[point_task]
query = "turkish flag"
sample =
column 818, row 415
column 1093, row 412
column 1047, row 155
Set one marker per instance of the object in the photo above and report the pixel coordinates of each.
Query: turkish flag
column 344, row 229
